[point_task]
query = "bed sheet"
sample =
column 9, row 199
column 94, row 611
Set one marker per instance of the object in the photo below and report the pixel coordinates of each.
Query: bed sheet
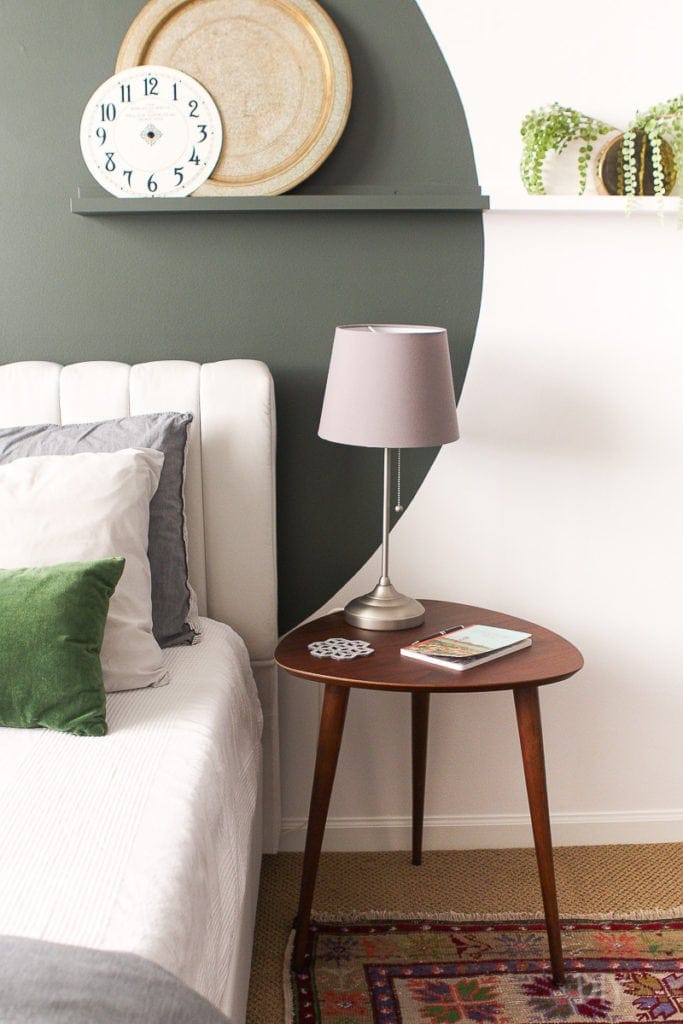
column 140, row 840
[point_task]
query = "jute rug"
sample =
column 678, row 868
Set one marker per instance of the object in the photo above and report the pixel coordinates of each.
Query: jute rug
column 592, row 881
column 388, row 971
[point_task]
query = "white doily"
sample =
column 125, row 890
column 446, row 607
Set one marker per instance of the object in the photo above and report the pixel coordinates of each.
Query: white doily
column 340, row 649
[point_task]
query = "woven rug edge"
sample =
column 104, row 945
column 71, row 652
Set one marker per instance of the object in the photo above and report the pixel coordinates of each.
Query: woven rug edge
column 287, row 979
column 653, row 914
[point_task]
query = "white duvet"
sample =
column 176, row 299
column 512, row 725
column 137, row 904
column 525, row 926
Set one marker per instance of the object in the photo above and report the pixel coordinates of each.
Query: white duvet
column 139, row 840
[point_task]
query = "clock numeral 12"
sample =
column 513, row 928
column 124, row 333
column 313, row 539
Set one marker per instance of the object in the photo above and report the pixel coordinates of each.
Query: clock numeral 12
column 151, row 84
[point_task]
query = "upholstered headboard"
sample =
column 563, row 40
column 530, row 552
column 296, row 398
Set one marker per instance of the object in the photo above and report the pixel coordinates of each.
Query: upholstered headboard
column 229, row 487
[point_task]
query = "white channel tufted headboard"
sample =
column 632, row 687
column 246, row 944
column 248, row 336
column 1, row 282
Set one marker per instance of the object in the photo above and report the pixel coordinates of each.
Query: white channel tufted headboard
column 229, row 488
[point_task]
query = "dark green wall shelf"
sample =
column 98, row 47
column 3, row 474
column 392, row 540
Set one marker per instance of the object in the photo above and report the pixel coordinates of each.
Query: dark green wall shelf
column 330, row 202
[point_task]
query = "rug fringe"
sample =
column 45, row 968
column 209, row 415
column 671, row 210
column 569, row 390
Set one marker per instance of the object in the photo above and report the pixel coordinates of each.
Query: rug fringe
column 287, row 979
column 654, row 914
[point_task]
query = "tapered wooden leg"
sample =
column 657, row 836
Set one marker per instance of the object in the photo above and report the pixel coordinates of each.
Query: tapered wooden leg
column 531, row 741
column 420, row 720
column 329, row 742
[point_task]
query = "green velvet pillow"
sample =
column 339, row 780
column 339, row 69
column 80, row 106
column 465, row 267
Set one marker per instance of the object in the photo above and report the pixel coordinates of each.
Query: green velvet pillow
column 51, row 627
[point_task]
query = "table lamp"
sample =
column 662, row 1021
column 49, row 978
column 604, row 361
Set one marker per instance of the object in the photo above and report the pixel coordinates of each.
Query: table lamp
column 388, row 386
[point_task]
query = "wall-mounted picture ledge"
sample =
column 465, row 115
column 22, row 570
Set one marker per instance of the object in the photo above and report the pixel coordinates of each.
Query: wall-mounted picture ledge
column 351, row 200
column 584, row 204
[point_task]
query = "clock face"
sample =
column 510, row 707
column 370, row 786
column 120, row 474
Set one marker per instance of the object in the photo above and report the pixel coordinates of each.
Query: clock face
column 151, row 131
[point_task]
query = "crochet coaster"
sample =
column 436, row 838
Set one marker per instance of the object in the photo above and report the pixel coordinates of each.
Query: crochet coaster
column 340, row 649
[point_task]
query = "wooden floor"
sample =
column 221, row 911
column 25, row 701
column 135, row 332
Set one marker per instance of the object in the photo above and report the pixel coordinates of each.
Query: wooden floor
column 592, row 880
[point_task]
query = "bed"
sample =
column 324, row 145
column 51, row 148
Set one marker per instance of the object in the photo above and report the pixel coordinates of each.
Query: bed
column 146, row 844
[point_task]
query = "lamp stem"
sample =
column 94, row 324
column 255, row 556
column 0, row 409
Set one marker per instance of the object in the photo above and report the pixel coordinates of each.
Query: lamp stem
column 384, row 607
column 386, row 516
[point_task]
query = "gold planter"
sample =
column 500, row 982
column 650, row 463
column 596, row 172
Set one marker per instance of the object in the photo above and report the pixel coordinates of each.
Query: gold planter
column 610, row 168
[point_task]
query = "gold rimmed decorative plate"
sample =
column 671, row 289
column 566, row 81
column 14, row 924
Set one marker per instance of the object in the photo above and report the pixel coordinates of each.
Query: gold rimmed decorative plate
column 277, row 70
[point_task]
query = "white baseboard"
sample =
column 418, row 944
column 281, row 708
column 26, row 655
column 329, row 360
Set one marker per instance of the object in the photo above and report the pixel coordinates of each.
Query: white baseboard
column 472, row 832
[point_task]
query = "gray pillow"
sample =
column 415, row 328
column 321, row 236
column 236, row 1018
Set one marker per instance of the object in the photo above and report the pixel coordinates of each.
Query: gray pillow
column 172, row 597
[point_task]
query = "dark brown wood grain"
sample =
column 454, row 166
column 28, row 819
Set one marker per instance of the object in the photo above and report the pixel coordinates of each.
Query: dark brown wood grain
column 420, row 730
column 329, row 742
column 528, row 712
column 549, row 659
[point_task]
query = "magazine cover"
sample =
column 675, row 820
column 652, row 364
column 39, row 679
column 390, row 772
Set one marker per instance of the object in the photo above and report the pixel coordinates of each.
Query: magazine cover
column 468, row 642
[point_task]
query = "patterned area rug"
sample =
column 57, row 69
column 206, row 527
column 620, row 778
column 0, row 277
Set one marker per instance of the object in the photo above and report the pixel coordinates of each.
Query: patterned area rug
column 491, row 972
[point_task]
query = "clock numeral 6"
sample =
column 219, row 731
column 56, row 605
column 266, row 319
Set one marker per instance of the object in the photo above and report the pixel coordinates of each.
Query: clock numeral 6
column 108, row 111
column 109, row 165
column 151, row 184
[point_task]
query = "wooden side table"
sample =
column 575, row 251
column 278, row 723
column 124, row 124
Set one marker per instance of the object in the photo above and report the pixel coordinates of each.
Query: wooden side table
column 549, row 659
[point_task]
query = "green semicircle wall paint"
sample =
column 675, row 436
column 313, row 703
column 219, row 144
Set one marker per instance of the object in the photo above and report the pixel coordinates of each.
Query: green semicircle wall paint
column 270, row 286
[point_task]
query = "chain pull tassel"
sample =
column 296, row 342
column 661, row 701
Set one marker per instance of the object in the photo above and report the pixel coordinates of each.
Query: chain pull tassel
column 398, row 507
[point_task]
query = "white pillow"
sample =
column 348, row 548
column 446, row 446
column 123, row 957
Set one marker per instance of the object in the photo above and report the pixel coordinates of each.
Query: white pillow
column 76, row 508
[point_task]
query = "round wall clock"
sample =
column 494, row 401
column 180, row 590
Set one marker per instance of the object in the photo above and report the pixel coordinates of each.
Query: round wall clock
column 278, row 71
column 151, row 131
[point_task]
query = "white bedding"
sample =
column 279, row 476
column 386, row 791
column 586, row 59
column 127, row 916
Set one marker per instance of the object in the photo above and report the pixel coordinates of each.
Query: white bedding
column 140, row 840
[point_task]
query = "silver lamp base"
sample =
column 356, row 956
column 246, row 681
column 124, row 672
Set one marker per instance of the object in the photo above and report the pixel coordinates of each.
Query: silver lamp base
column 384, row 608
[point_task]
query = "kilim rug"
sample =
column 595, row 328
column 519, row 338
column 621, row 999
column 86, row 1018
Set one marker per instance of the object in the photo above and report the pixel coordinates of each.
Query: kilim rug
column 382, row 971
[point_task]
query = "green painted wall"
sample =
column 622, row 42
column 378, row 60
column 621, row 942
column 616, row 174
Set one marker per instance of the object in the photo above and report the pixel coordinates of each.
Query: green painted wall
column 269, row 286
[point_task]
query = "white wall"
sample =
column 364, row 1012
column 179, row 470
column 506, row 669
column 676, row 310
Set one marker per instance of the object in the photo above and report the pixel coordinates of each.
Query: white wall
column 563, row 500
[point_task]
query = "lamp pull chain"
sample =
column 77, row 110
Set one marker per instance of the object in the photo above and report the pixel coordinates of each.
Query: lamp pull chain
column 398, row 507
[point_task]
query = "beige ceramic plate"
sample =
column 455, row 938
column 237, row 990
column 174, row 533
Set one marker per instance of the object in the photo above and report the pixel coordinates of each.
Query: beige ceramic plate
column 277, row 70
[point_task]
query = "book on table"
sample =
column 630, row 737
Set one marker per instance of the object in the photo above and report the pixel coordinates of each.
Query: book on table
column 467, row 646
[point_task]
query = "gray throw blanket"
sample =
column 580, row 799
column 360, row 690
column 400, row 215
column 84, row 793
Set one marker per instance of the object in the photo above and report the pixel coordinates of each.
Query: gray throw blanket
column 45, row 983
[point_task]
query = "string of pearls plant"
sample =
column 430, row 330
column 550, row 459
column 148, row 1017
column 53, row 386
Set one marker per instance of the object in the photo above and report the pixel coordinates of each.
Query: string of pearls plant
column 551, row 129
column 653, row 138
column 660, row 123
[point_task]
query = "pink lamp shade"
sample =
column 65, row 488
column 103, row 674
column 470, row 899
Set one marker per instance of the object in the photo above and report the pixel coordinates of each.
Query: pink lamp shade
column 389, row 386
